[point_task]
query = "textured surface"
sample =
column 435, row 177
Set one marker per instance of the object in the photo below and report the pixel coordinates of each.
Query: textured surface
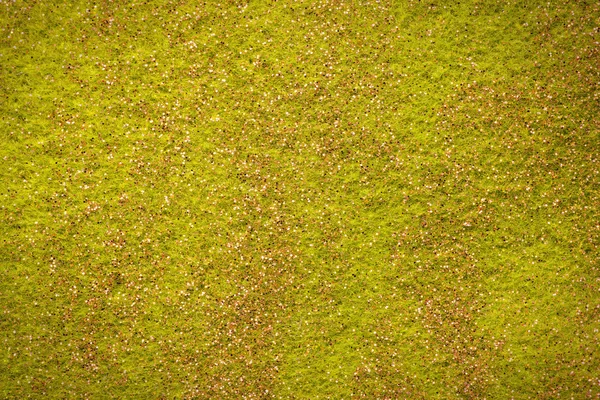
column 300, row 199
